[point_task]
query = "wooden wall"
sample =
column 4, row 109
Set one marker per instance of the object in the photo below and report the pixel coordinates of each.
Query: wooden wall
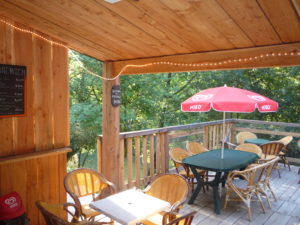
column 45, row 126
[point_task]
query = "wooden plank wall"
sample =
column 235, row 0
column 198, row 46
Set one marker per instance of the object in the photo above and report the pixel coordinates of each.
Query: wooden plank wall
column 45, row 126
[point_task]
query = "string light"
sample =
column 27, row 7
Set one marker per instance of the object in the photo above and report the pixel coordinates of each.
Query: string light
column 32, row 33
column 169, row 63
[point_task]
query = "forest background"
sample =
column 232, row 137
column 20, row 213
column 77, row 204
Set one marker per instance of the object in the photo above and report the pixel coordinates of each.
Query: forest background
column 153, row 100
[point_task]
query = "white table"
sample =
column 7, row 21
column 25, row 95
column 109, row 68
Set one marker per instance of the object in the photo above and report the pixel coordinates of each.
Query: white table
column 130, row 206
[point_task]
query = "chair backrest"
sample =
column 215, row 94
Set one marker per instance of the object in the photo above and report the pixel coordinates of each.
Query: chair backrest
column 177, row 155
column 182, row 220
column 172, row 188
column 195, row 147
column 56, row 214
column 286, row 141
column 272, row 148
column 269, row 165
column 242, row 136
column 250, row 148
column 84, row 181
column 252, row 176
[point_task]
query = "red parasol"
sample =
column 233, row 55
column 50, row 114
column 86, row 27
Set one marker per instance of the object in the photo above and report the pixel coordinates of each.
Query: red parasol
column 228, row 99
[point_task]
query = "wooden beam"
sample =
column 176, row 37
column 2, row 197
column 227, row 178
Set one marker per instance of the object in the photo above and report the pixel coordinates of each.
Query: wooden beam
column 34, row 155
column 217, row 60
column 110, row 129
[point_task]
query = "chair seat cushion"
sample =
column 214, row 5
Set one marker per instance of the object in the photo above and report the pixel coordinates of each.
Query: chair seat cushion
column 268, row 157
column 88, row 211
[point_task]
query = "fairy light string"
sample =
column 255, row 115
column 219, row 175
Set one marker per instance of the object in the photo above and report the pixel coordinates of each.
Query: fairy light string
column 169, row 63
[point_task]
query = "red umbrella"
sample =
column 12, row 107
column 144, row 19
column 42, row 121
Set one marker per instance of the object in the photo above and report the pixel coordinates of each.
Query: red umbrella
column 228, row 99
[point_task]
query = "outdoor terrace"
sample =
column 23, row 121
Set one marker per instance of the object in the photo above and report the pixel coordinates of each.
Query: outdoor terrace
column 285, row 211
column 139, row 164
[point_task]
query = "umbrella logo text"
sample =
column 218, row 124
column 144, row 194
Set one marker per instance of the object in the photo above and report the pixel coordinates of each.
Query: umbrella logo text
column 200, row 97
column 257, row 98
column 266, row 107
column 195, row 107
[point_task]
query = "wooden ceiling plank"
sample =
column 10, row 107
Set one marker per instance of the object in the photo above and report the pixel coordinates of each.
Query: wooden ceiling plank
column 284, row 19
column 149, row 24
column 214, row 58
column 76, row 24
column 113, row 24
column 196, row 16
column 249, row 16
column 219, row 19
column 73, row 41
column 172, row 21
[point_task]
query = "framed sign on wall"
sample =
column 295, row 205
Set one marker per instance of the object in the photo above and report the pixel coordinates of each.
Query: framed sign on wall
column 12, row 90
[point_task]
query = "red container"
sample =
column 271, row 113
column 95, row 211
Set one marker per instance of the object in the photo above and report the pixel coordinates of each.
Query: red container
column 11, row 206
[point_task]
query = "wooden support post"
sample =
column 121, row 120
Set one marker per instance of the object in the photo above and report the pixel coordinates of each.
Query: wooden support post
column 110, row 129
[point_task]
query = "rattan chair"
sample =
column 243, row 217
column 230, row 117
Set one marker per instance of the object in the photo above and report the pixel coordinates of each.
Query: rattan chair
column 244, row 189
column 270, row 151
column 195, row 148
column 172, row 188
column 286, row 141
column 87, row 182
column 242, row 136
column 181, row 219
column 177, row 155
column 57, row 214
column 265, row 186
column 250, row 148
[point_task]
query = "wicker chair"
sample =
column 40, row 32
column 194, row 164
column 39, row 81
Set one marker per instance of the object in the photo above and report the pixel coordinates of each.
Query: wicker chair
column 172, row 188
column 177, row 155
column 242, row 136
column 195, row 148
column 265, row 178
column 286, row 141
column 250, row 148
column 244, row 189
column 87, row 182
column 181, row 219
column 56, row 214
column 270, row 151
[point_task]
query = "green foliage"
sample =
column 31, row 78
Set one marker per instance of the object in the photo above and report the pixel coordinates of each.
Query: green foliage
column 85, row 107
column 151, row 101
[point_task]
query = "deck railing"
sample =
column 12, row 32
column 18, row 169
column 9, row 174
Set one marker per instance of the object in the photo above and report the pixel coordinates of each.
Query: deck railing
column 144, row 154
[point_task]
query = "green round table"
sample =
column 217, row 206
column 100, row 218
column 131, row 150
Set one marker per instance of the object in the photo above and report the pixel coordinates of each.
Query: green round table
column 211, row 161
column 257, row 141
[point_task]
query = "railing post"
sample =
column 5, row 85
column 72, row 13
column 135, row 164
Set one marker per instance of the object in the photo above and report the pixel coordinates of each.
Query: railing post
column 99, row 153
column 166, row 151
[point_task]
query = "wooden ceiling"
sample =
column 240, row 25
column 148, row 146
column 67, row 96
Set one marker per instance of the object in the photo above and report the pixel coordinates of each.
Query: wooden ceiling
column 132, row 29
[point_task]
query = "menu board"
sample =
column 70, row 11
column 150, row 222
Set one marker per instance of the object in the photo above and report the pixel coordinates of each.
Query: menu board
column 12, row 90
column 115, row 95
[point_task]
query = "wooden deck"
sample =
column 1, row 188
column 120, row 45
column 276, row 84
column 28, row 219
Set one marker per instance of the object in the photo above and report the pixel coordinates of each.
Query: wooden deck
column 285, row 211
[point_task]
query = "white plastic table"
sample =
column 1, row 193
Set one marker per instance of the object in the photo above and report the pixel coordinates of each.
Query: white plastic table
column 130, row 206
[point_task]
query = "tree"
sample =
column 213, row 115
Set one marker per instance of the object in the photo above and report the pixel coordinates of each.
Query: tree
column 85, row 107
column 151, row 101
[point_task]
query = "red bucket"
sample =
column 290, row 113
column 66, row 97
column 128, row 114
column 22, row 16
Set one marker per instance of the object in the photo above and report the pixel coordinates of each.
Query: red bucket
column 11, row 206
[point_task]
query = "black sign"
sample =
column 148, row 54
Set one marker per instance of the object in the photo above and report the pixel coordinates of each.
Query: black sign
column 12, row 81
column 116, row 95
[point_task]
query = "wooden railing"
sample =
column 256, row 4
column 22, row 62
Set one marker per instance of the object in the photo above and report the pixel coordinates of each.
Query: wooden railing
column 144, row 154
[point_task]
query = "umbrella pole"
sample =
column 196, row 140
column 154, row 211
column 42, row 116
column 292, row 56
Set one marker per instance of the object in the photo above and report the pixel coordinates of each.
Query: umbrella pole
column 222, row 152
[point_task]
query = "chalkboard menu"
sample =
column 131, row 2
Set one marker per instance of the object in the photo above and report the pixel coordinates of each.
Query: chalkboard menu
column 12, row 86
column 115, row 95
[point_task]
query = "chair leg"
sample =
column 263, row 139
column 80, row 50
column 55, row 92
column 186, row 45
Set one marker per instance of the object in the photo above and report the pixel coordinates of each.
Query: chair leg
column 288, row 163
column 260, row 201
column 249, row 214
column 226, row 199
column 278, row 173
column 285, row 161
column 272, row 192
